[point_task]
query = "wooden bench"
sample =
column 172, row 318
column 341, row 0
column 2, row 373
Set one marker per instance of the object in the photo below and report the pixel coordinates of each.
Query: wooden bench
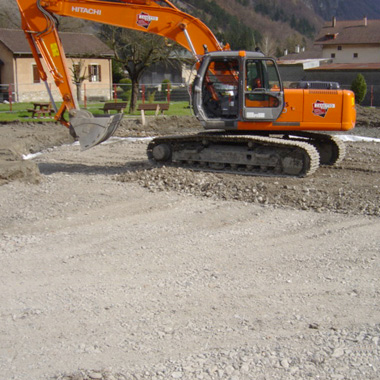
column 157, row 107
column 119, row 107
column 153, row 107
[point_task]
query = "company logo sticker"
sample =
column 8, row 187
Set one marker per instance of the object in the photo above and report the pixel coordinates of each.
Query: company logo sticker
column 144, row 20
column 90, row 11
column 320, row 108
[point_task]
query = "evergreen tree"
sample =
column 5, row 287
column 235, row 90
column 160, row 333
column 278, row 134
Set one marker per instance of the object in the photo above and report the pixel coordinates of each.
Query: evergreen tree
column 359, row 87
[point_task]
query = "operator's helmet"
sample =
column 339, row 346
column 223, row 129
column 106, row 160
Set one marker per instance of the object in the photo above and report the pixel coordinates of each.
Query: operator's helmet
column 256, row 83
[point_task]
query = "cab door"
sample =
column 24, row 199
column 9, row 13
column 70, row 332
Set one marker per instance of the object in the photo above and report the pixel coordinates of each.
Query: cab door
column 263, row 92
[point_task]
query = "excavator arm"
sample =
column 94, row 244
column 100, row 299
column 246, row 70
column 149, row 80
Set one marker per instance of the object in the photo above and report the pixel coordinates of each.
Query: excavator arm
column 152, row 16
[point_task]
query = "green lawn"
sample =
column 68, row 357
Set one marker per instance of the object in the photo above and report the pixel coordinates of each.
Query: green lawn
column 18, row 111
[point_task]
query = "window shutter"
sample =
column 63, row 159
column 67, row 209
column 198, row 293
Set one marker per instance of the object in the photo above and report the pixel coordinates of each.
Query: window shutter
column 36, row 75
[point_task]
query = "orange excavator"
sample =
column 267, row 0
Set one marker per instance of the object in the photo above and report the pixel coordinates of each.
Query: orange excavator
column 253, row 125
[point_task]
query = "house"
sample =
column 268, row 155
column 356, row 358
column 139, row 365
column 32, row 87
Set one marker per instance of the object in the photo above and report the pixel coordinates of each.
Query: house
column 341, row 51
column 18, row 69
column 350, row 41
column 179, row 71
column 293, row 66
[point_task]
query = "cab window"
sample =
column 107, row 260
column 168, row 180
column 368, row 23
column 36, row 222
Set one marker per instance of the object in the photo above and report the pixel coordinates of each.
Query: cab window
column 220, row 89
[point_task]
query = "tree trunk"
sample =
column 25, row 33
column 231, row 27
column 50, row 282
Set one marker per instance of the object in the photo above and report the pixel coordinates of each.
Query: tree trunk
column 79, row 93
column 134, row 95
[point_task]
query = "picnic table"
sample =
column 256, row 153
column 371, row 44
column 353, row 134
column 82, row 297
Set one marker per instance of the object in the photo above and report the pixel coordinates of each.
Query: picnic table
column 41, row 109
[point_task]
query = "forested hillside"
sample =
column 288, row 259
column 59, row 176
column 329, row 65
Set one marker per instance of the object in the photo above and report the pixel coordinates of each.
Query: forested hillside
column 346, row 9
column 273, row 25
column 268, row 24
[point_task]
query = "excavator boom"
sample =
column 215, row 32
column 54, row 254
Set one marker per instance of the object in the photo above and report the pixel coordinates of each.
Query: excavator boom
column 157, row 17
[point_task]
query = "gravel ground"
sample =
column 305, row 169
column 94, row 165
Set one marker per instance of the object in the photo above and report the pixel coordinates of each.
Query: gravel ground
column 114, row 269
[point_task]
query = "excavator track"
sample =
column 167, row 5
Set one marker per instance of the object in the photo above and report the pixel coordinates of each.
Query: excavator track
column 240, row 154
column 330, row 148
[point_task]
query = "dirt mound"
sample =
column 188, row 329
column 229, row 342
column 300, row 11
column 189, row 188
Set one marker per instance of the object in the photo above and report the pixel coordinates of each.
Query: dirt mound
column 18, row 139
column 156, row 126
column 367, row 117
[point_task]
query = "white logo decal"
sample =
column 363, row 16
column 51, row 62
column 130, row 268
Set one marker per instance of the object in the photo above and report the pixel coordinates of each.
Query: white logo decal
column 144, row 20
column 90, row 11
column 253, row 115
column 148, row 18
column 320, row 108
column 324, row 106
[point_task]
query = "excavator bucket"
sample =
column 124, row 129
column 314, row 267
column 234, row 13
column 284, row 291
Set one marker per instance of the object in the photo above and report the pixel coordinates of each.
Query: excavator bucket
column 92, row 130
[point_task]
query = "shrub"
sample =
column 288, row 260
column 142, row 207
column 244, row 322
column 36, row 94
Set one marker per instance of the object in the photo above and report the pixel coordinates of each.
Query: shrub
column 151, row 96
column 165, row 86
column 359, row 87
column 127, row 89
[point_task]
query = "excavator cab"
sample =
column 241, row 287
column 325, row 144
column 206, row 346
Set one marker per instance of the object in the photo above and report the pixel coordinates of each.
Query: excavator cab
column 235, row 87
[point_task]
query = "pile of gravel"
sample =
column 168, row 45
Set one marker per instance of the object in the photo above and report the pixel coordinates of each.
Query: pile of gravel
column 305, row 195
column 315, row 354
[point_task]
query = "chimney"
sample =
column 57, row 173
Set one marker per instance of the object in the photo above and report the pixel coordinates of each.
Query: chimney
column 365, row 21
column 334, row 22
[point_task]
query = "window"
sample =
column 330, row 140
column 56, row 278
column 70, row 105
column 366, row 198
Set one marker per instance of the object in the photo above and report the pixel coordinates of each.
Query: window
column 94, row 73
column 339, row 47
column 36, row 74
column 261, row 74
column 332, row 55
column 356, row 55
column 262, row 84
column 220, row 89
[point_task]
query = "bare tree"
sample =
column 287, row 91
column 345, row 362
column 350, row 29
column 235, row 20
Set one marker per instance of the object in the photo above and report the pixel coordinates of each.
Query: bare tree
column 268, row 46
column 78, row 71
column 137, row 51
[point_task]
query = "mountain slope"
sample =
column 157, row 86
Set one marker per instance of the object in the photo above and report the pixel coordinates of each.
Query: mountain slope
column 273, row 25
column 346, row 9
column 10, row 18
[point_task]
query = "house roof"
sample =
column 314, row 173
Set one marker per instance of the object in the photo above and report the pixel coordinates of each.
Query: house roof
column 74, row 44
column 314, row 52
column 349, row 32
column 348, row 67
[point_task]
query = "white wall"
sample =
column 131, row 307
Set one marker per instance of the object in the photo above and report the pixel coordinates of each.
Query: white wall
column 366, row 53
